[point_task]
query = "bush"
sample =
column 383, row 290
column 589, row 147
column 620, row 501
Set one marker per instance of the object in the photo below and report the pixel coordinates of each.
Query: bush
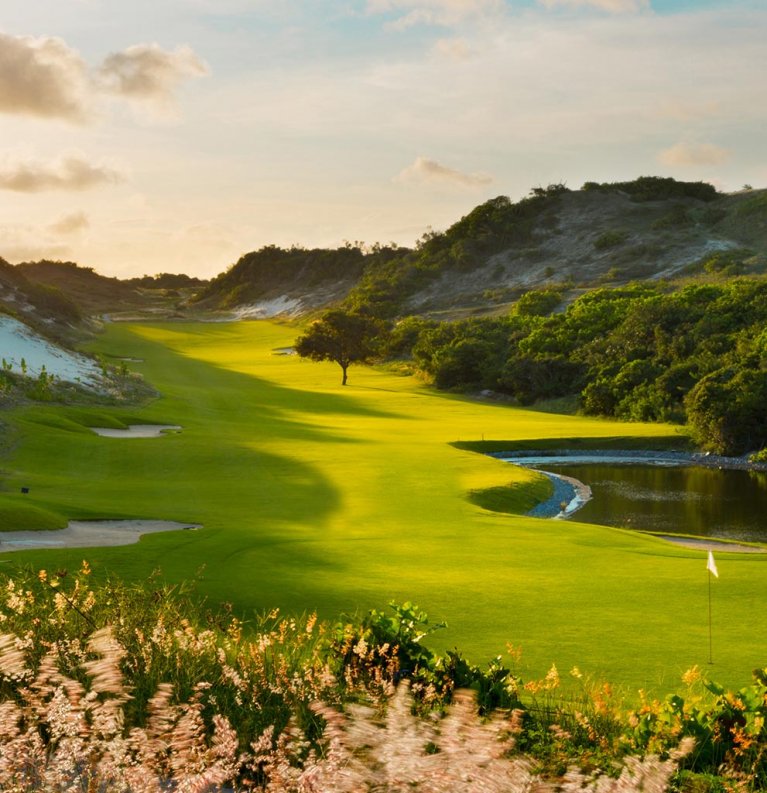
column 656, row 188
column 538, row 302
column 727, row 411
column 610, row 239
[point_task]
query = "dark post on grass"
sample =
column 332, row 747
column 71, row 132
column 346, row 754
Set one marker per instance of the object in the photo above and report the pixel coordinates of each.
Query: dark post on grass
column 344, row 337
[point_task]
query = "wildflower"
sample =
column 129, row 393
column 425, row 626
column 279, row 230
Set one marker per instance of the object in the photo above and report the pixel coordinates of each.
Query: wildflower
column 552, row 678
column 741, row 740
column 515, row 653
column 311, row 622
column 692, row 676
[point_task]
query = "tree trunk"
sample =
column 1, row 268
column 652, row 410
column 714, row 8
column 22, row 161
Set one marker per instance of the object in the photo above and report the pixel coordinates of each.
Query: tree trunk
column 343, row 381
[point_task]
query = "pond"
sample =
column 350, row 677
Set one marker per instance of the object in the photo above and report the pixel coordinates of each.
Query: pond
column 690, row 499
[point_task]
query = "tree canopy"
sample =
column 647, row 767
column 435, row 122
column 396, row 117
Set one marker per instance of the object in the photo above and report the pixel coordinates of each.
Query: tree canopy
column 343, row 337
column 642, row 352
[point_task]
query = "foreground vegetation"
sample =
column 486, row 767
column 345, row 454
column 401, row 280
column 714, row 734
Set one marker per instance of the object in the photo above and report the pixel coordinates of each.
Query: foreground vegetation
column 130, row 687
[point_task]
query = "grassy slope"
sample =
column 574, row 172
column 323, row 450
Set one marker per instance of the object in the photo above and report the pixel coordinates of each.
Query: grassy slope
column 317, row 496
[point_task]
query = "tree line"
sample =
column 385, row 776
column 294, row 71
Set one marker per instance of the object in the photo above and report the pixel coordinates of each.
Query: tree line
column 642, row 352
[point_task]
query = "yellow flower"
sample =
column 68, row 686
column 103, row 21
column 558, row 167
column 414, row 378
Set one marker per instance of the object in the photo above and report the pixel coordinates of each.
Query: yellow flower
column 691, row 676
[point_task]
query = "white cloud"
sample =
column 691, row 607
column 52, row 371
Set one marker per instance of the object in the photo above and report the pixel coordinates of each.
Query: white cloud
column 42, row 77
column 73, row 223
column 71, row 172
column 694, row 154
column 425, row 170
column 433, row 12
column 455, row 49
column 146, row 72
column 611, row 6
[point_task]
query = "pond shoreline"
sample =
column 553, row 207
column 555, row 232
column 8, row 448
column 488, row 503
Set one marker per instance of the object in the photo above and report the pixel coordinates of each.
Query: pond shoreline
column 571, row 494
column 534, row 457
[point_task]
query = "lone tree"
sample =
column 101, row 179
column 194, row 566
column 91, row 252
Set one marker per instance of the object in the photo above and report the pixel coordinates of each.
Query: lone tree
column 342, row 337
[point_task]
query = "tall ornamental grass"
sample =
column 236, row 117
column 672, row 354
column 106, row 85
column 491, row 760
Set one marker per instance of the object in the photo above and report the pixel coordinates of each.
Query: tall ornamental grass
column 106, row 686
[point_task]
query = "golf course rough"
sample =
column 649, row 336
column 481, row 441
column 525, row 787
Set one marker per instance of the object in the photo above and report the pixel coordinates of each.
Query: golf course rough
column 318, row 497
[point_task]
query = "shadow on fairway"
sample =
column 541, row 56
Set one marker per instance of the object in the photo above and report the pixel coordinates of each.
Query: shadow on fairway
column 263, row 510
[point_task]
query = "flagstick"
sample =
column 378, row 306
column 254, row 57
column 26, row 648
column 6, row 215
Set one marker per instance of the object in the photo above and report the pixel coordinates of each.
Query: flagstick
column 710, row 644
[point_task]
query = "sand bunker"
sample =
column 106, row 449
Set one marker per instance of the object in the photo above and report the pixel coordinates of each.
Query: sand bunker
column 88, row 533
column 710, row 545
column 136, row 431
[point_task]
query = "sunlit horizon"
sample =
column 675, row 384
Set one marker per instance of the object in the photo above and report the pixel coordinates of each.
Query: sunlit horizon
column 177, row 135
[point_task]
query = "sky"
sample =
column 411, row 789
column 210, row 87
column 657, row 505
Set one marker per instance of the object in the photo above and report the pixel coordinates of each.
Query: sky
column 176, row 135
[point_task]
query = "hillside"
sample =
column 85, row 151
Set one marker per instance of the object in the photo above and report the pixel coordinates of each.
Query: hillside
column 96, row 294
column 41, row 306
column 274, row 280
column 651, row 228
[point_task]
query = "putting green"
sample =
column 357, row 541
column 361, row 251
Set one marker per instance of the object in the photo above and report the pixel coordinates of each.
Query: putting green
column 318, row 497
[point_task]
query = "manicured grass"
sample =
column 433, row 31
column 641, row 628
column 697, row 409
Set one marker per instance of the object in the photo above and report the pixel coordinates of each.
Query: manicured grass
column 315, row 496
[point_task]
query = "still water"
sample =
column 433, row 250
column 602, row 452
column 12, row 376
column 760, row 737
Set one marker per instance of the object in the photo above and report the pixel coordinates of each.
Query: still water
column 684, row 500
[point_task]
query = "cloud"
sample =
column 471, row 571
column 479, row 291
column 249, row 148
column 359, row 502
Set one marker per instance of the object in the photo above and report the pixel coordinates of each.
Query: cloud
column 694, row 154
column 455, row 49
column 149, row 73
column 71, row 172
column 432, row 12
column 611, row 6
column 42, row 77
column 425, row 170
column 70, row 224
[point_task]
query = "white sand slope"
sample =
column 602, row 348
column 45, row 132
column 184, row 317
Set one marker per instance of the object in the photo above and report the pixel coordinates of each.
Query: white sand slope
column 136, row 431
column 88, row 534
column 17, row 342
column 269, row 308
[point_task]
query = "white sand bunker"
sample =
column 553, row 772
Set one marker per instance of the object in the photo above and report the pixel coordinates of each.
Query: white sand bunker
column 88, row 533
column 136, row 431
column 710, row 545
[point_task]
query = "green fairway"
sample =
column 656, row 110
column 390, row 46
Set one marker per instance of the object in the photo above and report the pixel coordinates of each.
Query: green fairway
column 318, row 497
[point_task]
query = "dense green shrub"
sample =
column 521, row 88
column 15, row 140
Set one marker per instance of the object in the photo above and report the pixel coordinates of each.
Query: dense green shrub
column 727, row 410
column 639, row 352
column 656, row 188
column 538, row 302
